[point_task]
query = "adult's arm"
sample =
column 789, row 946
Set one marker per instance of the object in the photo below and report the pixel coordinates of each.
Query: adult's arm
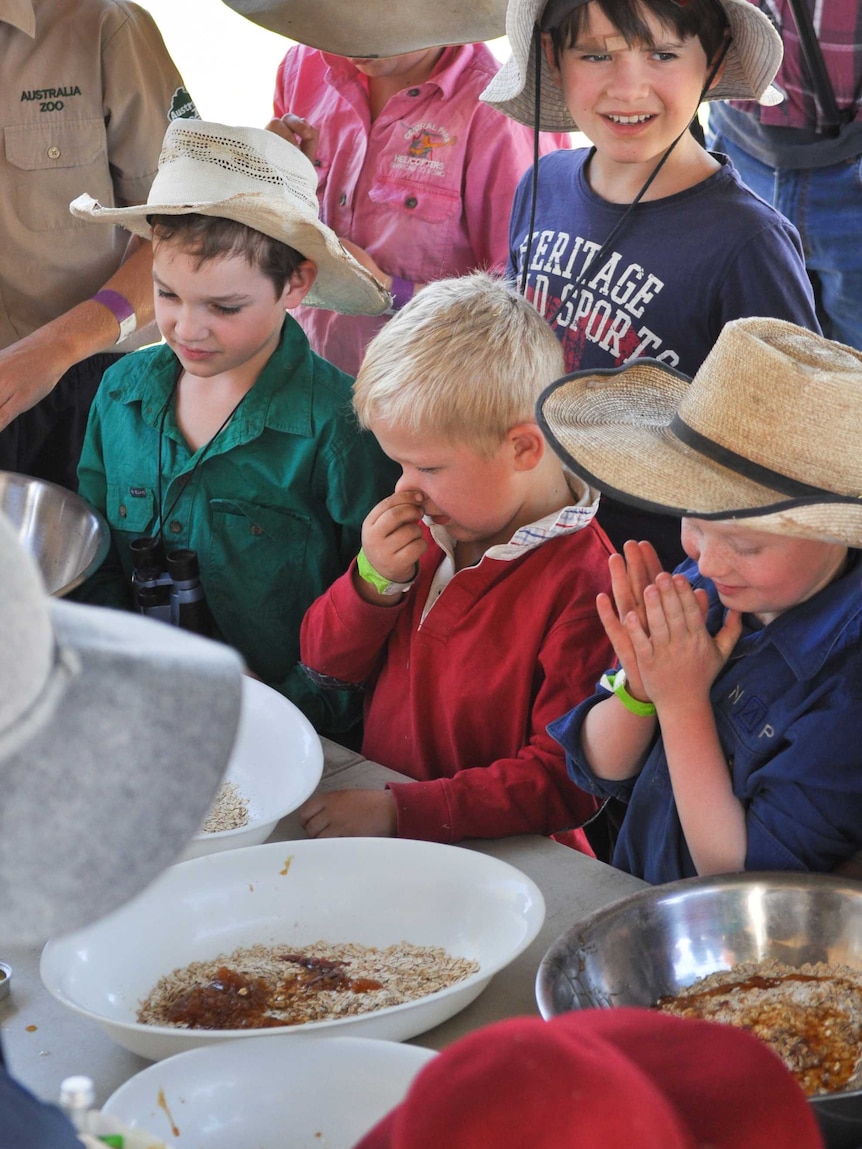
column 31, row 368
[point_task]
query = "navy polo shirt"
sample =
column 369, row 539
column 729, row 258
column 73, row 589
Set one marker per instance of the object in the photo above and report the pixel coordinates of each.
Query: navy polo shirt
column 788, row 709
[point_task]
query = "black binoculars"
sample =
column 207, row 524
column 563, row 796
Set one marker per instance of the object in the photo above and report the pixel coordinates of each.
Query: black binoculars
column 168, row 586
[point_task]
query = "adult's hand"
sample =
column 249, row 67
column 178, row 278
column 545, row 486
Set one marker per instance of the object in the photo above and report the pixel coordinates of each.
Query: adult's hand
column 29, row 370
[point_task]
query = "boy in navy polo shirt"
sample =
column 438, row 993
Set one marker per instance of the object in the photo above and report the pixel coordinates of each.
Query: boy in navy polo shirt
column 732, row 725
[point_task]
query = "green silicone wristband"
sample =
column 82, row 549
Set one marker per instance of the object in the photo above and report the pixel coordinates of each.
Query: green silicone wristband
column 368, row 574
column 616, row 684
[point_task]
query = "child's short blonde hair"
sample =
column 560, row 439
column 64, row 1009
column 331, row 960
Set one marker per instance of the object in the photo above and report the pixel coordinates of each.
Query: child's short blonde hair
column 466, row 359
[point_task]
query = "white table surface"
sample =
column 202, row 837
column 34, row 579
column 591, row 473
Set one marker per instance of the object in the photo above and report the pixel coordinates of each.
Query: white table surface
column 45, row 1042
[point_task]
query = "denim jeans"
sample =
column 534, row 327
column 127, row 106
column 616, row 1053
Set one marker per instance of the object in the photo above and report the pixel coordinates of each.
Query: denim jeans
column 825, row 206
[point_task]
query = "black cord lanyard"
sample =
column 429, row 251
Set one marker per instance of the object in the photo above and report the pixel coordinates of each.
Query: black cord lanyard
column 615, row 230
column 165, row 515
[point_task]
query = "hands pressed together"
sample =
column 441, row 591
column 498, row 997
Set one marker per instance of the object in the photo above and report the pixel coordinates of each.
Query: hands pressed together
column 657, row 626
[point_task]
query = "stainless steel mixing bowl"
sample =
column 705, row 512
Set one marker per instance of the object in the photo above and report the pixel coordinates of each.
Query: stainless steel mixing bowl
column 661, row 939
column 65, row 536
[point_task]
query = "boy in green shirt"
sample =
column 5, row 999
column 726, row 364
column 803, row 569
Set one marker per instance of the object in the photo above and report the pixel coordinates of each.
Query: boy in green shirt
column 232, row 438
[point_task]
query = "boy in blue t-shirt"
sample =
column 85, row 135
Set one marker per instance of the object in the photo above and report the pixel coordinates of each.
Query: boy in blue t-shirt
column 232, row 438
column 732, row 726
column 697, row 249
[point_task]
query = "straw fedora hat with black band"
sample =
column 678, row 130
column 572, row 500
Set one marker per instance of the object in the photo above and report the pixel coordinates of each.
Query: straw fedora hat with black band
column 366, row 29
column 750, row 65
column 257, row 178
column 766, row 433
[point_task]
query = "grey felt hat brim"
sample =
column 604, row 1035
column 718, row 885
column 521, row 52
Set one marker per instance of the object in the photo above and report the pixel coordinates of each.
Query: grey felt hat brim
column 113, row 769
column 374, row 28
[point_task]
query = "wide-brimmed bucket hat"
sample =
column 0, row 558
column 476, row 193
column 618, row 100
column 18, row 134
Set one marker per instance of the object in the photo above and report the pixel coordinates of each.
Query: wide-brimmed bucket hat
column 254, row 177
column 114, row 734
column 766, row 433
column 377, row 27
column 616, row 1078
column 752, row 59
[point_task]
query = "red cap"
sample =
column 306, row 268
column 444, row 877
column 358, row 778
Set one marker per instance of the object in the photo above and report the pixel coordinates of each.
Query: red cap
column 614, row 1078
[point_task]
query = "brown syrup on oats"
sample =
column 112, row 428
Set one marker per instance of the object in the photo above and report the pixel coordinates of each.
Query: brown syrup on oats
column 234, row 1000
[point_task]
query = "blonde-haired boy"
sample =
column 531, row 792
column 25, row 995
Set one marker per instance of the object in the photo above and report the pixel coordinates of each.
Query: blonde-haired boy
column 469, row 614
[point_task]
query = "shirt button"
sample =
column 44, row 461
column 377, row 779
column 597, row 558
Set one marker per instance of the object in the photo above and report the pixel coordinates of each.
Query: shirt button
column 176, row 527
column 342, row 199
column 122, row 511
column 318, row 163
column 256, row 530
column 411, row 201
column 412, row 91
column 53, row 152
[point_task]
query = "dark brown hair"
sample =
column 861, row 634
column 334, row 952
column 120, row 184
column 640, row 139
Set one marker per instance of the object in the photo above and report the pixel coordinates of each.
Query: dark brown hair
column 702, row 18
column 208, row 237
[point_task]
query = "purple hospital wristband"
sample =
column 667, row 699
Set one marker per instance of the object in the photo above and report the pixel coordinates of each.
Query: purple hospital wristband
column 121, row 310
column 401, row 292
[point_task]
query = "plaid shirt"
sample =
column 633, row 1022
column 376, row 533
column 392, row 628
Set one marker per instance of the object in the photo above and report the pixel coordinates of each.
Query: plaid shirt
column 838, row 26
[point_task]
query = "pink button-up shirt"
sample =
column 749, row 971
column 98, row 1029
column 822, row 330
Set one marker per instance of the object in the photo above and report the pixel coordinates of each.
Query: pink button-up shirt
column 426, row 188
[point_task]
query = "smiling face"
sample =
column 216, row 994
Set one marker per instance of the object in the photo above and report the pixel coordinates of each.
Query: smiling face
column 631, row 101
column 758, row 572
column 220, row 315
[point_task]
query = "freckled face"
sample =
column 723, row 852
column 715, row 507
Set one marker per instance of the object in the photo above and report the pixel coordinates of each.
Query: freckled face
column 758, row 572
column 218, row 315
column 474, row 497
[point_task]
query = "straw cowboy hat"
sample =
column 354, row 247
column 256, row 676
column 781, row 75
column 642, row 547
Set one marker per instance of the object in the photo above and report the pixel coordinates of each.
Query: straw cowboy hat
column 766, row 433
column 751, row 62
column 615, row 1078
column 114, row 734
column 364, row 29
column 257, row 178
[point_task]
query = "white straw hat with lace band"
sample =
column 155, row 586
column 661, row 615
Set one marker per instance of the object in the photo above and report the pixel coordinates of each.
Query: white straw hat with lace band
column 752, row 60
column 257, row 178
column 766, row 433
column 367, row 28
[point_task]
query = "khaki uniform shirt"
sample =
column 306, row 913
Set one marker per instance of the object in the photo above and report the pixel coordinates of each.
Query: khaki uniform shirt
column 88, row 89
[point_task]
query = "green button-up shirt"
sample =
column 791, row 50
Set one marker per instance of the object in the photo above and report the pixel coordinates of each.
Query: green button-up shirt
column 273, row 505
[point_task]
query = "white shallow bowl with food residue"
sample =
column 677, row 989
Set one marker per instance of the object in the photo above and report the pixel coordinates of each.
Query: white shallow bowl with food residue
column 276, row 764
column 368, row 891
column 320, row 1093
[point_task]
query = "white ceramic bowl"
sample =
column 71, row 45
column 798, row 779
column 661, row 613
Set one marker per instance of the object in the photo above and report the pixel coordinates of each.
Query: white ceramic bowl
column 276, row 764
column 320, row 1093
column 372, row 891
